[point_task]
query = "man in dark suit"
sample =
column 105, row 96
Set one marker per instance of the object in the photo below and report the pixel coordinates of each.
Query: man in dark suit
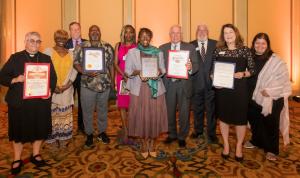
column 178, row 91
column 75, row 33
column 203, row 94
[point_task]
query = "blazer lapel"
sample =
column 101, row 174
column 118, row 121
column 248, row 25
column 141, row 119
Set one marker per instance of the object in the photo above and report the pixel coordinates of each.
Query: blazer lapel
column 209, row 48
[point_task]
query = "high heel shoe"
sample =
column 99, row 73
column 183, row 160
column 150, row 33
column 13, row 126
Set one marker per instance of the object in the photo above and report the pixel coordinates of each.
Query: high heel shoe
column 153, row 154
column 16, row 170
column 225, row 156
column 145, row 155
column 239, row 159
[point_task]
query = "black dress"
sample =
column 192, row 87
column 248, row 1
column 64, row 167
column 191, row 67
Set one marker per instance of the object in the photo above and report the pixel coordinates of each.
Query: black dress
column 232, row 104
column 265, row 129
column 30, row 119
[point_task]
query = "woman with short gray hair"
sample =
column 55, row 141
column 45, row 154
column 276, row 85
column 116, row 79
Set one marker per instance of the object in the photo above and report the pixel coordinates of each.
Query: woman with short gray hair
column 29, row 120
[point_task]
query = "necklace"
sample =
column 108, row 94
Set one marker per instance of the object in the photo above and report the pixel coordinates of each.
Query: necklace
column 30, row 57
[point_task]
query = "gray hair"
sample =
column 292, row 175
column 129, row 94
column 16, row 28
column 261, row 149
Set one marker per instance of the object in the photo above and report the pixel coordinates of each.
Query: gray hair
column 175, row 26
column 29, row 34
column 202, row 25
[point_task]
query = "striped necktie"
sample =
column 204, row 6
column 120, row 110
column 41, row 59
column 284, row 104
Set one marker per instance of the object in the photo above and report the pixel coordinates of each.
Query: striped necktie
column 202, row 51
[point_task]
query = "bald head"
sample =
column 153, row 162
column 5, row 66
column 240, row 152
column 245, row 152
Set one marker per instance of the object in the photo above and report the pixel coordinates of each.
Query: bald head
column 202, row 32
column 175, row 34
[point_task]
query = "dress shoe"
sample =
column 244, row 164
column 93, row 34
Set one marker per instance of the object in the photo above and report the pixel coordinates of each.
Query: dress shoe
column 213, row 140
column 225, row 156
column 169, row 140
column 16, row 170
column 239, row 159
column 37, row 163
column 181, row 143
column 197, row 135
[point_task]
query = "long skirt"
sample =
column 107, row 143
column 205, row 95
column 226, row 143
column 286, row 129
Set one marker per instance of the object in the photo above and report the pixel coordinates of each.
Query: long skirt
column 30, row 122
column 62, row 123
column 147, row 116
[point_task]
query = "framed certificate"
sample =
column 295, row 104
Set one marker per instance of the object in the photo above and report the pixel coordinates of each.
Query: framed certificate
column 93, row 60
column 149, row 67
column 223, row 75
column 176, row 64
column 37, row 80
column 123, row 90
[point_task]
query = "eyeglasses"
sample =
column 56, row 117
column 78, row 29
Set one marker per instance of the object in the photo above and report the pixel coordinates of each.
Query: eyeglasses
column 32, row 41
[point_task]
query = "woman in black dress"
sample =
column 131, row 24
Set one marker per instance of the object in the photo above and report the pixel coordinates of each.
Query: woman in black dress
column 29, row 120
column 232, row 104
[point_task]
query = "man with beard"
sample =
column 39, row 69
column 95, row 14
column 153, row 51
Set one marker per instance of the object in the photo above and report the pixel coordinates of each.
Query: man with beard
column 95, row 86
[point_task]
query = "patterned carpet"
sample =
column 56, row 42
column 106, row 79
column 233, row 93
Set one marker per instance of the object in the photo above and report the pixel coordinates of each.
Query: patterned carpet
column 124, row 161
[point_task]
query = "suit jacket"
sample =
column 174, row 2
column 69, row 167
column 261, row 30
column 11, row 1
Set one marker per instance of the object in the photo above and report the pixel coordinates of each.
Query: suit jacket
column 133, row 62
column 185, row 83
column 69, row 44
column 202, row 79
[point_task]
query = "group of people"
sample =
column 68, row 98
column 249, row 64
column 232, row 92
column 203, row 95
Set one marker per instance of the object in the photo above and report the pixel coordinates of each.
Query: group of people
column 259, row 95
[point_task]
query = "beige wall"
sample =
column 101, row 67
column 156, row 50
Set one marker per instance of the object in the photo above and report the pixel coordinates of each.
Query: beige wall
column 36, row 15
column 295, row 58
column 214, row 13
column 280, row 19
column 7, row 30
column 107, row 14
column 275, row 21
column 275, row 18
column 159, row 16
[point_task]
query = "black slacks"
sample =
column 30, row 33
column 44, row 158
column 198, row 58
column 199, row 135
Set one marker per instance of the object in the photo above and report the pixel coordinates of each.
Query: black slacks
column 265, row 129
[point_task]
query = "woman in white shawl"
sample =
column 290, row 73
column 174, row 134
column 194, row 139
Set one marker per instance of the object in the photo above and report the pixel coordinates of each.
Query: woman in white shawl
column 269, row 90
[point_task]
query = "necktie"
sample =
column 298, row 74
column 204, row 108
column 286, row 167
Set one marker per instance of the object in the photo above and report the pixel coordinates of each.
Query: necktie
column 202, row 51
column 174, row 47
column 76, row 43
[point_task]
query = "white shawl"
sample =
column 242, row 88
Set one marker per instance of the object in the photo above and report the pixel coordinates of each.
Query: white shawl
column 274, row 79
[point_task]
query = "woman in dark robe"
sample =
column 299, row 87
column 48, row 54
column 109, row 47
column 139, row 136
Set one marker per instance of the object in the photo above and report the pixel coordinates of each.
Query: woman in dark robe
column 29, row 120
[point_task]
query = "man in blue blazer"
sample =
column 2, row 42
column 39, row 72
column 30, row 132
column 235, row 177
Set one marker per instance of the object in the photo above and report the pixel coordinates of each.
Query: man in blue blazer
column 75, row 33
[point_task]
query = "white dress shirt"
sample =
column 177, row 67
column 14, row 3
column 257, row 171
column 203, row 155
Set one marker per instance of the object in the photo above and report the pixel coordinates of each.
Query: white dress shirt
column 200, row 45
column 175, row 44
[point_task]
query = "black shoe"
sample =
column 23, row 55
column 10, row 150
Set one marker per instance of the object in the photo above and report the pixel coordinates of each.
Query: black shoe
column 239, row 159
column 169, row 140
column 80, row 127
column 197, row 135
column 181, row 143
column 37, row 163
column 104, row 138
column 89, row 141
column 212, row 140
column 225, row 156
column 80, row 131
column 16, row 170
